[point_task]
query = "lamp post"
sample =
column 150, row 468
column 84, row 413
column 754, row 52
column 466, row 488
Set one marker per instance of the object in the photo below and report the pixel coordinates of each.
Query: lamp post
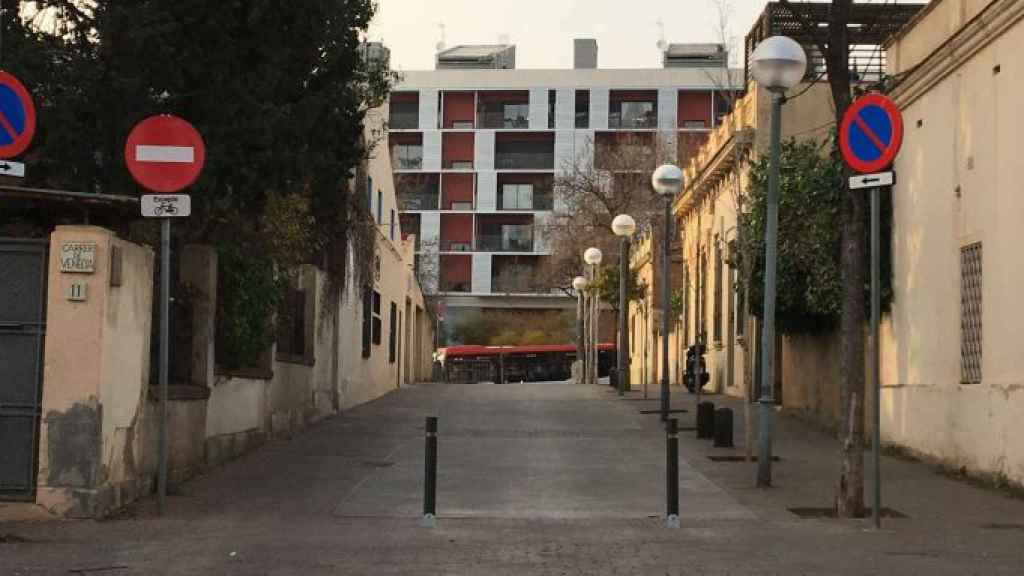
column 592, row 257
column 579, row 284
column 667, row 181
column 623, row 226
column 778, row 63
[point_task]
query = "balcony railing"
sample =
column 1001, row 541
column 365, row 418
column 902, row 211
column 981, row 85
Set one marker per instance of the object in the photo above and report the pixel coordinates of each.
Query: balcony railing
column 618, row 120
column 418, row 201
column 524, row 161
column 496, row 120
column 455, row 286
column 542, row 200
column 514, row 238
column 404, row 121
column 407, row 163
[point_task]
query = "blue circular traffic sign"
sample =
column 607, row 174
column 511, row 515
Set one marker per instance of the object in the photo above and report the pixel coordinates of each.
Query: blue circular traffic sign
column 871, row 133
column 17, row 117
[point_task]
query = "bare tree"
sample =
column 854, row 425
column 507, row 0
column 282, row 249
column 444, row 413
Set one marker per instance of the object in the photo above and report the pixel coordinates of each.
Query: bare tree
column 609, row 176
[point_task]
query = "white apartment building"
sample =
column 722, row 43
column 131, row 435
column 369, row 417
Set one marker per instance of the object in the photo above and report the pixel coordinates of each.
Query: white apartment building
column 477, row 150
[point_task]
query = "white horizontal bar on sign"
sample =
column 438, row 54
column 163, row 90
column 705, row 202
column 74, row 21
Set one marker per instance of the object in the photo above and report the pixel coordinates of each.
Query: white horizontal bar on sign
column 178, row 154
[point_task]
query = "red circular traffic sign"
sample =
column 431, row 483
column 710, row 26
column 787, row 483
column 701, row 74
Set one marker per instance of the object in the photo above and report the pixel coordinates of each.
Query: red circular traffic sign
column 17, row 116
column 164, row 153
column 871, row 133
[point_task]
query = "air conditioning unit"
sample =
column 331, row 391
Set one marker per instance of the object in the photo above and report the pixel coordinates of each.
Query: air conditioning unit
column 462, row 125
column 459, row 247
column 462, row 205
column 462, row 165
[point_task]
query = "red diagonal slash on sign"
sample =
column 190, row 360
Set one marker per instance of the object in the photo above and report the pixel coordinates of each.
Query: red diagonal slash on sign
column 6, row 125
column 869, row 133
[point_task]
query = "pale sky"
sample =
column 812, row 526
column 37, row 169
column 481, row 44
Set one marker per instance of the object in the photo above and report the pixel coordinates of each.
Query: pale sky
column 627, row 31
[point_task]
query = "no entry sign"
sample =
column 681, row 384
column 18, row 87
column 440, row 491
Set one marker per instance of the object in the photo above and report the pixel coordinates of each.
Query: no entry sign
column 871, row 133
column 17, row 117
column 164, row 153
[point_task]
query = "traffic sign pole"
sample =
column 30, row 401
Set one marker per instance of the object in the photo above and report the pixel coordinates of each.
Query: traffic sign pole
column 165, row 317
column 876, row 509
column 870, row 136
column 164, row 154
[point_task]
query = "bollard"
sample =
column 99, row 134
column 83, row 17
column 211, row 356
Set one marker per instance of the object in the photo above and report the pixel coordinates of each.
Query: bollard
column 723, row 428
column 672, row 473
column 430, row 475
column 706, row 420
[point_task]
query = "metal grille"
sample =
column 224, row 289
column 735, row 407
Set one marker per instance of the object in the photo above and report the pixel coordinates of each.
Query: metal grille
column 970, row 313
column 870, row 26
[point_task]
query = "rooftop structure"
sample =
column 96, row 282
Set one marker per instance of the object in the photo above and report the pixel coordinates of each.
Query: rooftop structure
column 477, row 56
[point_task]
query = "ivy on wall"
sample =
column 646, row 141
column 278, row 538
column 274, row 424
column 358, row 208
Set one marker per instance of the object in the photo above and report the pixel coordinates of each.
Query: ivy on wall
column 809, row 276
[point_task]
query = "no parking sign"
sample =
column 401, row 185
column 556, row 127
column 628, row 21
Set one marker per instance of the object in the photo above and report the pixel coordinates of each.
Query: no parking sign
column 871, row 133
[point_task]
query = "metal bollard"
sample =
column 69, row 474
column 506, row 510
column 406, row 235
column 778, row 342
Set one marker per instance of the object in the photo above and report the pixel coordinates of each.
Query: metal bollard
column 723, row 428
column 706, row 420
column 430, row 475
column 672, row 473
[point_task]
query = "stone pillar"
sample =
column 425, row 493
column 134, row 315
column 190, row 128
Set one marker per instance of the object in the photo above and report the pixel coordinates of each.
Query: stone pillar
column 93, row 437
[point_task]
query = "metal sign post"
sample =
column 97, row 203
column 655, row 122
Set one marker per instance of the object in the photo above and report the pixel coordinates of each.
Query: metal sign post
column 870, row 137
column 164, row 154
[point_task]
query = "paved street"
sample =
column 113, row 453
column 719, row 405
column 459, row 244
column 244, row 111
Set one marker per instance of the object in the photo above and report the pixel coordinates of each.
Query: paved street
column 534, row 479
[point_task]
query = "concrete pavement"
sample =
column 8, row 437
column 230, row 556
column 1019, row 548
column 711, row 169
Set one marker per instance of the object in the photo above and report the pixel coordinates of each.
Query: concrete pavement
column 533, row 479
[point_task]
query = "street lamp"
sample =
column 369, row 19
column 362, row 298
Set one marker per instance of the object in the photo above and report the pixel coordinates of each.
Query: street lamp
column 623, row 226
column 667, row 181
column 579, row 284
column 778, row 63
column 592, row 256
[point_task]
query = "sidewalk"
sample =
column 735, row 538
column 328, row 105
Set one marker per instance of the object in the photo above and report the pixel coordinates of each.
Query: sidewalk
column 533, row 479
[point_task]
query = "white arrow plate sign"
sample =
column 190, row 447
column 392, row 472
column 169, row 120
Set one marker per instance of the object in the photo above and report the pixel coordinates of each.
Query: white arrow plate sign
column 871, row 180
column 8, row 168
column 166, row 205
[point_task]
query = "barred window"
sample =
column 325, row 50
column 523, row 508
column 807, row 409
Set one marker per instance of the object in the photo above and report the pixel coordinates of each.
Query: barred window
column 970, row 313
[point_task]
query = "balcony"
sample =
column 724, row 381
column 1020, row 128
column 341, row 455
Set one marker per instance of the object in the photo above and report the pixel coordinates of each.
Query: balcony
column 524, row 192
column 503, row 110
column 505, row 238
column 404, row 111
column 406, row 151
column 524, row 151
column 633, row 110
column 418, row 191
column 407, row 158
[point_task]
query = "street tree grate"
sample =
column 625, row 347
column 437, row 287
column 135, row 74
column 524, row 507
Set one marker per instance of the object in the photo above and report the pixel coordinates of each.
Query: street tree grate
column 738, row 458
column 1003, row 526
column 810, row 512
column 376, row 464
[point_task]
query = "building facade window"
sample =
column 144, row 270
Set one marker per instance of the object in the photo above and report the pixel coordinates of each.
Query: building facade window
column 583, row 109
column 367, row 321
column 516, row 115
column 702, row 291
column 740, row 297
column 719, row 301
column 380, row 207
column 517, row 197
column 369, row 193
column 378, row 324
column 408, row 157
column 970, row 313
column 291, row 326
column 393, row 334
column 391, row 224
column 552, row 97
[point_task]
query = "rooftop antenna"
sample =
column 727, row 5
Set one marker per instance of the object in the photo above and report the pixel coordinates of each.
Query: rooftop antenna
column 662, row 44
column 441, row 43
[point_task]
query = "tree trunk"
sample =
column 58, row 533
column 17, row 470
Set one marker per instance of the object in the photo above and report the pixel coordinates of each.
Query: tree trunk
column 850, row 489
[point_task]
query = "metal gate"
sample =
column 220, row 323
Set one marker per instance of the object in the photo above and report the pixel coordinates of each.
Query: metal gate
column 23, row 269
